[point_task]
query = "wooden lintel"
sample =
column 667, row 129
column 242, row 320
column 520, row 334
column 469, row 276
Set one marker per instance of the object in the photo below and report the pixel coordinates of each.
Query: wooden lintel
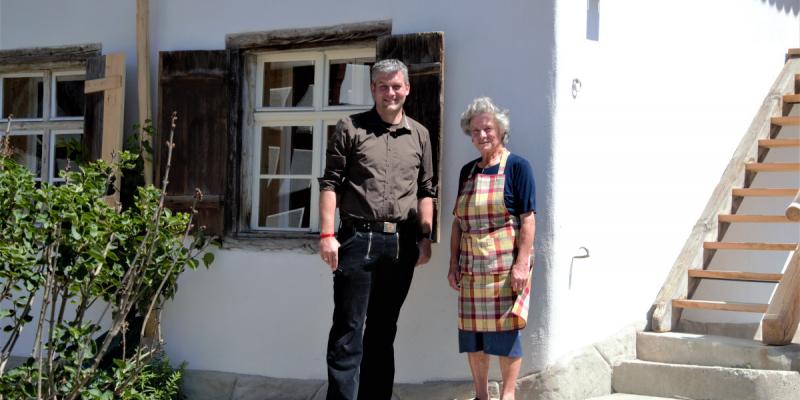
column 318, row 36
column 48, row 55
column 103, row 84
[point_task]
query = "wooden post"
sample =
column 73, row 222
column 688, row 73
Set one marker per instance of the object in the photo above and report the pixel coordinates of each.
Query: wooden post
column 793, row 210
column 143, row 76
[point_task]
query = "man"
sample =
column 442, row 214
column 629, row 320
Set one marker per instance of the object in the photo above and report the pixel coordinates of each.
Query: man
column 379, row 169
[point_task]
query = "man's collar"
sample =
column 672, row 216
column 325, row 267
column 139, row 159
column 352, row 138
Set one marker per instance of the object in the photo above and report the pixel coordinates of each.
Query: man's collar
column 404, row 124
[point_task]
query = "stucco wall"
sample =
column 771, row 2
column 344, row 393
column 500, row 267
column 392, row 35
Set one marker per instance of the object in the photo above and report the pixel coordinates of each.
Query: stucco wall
column 269, row 313
column 668, row 90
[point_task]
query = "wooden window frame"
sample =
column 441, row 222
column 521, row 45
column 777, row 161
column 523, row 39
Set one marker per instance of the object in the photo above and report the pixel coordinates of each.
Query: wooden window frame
column 53, row 100
column 51, row 173
column 318, row 116
column 48, row 126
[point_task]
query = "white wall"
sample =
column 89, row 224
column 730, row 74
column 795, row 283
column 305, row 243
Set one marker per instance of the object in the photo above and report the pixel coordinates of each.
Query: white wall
column 269, row 313
column 668, row 90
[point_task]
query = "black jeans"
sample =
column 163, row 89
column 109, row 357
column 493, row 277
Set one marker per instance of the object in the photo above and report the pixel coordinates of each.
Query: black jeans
column 372, row 281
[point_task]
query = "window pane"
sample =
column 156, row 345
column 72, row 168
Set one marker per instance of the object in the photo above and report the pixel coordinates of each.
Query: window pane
column 69, row 95
column 67, row 148
column 286, row 150
column 349, row 82
column 23, row 97
column 288, row 84
column 284, row 203
column 27, row 151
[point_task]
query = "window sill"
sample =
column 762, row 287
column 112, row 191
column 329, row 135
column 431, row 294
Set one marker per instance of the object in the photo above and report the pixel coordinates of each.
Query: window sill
column 306, row 243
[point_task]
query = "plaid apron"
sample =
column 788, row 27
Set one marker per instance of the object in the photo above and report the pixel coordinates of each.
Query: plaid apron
column 486, row 254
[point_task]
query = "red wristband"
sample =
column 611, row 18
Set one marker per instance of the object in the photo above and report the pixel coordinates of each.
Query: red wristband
column 326, row 235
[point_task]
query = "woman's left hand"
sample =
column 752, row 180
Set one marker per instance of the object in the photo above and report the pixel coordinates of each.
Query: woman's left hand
column 520, row 273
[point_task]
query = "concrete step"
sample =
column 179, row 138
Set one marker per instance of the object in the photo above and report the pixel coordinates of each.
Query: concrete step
column 703, row 382
column 720, row 351
column 624, row 396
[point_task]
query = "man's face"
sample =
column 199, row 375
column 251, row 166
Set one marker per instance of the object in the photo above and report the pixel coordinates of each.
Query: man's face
column 389, row 91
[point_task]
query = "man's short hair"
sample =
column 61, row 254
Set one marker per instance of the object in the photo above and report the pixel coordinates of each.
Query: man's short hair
column 388, row 66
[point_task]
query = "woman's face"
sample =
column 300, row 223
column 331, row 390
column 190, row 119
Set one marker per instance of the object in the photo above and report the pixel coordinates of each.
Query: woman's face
column 485, row 132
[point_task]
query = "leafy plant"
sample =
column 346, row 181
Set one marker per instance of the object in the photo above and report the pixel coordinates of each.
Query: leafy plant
column 88, row 274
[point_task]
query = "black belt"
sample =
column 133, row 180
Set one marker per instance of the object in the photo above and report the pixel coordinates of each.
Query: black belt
column 373, row 226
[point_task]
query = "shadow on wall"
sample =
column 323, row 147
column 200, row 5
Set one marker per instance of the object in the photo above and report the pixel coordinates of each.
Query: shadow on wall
column 792, row 6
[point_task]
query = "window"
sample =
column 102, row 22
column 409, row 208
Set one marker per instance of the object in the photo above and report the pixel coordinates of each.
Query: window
column 299, row 98
column 253, row 120
column 47, row 108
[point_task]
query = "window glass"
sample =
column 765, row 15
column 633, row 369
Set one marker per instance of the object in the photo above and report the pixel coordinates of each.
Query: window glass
column 286, row 150
column 27, row 151
column 348, row 82
column 69, row 95
column 66, row 152
column 23, row 97
column 288, row 84
column 284, row 203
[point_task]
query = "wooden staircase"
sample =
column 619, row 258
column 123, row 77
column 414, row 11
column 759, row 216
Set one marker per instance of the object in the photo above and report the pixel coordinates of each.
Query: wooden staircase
column 784, row 311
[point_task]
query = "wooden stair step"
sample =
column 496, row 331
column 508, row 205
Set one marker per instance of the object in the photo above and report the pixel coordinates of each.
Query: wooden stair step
column 749, row 246
column 785, row 121
column 753, row 218
column 764, row 192
column 793, row 52
column 791, row 98
column 772, row 167
column 771, row 143
column 720, row 305
column 735, row 275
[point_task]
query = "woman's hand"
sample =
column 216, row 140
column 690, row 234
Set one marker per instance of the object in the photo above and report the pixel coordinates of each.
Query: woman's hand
column 329, row 252
column 454, row 276
column 520, row 273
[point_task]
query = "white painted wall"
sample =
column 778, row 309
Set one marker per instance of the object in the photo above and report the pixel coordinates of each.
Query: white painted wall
column 668, row 90
column 268, row 313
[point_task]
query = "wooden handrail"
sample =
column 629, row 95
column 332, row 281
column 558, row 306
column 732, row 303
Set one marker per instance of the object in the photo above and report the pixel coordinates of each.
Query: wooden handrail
column 662, row 316
column 793, row 210
column 783, row 314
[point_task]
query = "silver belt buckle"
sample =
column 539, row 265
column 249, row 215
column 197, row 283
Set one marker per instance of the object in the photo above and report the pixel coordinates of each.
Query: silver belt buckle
column 389, row 227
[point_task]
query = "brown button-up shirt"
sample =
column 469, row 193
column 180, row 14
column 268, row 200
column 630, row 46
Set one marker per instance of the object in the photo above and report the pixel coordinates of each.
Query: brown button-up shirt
column 378, row 170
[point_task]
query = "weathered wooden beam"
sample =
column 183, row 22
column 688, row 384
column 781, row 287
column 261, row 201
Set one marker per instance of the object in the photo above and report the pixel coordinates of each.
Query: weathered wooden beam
column 48, row 55
column 102, row 84
column 309, row 37
column 783, row 314
column 143, row 76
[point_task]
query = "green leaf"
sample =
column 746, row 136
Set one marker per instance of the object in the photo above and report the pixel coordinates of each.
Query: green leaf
column 208, row 258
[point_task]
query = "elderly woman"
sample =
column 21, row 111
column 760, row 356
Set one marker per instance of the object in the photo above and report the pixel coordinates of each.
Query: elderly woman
column 491, row 247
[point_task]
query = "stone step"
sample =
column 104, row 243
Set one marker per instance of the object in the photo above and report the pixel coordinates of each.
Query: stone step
column 719, row 351
column 624, row 396
column 703, row 382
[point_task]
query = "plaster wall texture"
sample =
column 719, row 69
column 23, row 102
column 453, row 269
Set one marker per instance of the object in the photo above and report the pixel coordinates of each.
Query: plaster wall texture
column 667, row 90
column 268, row 313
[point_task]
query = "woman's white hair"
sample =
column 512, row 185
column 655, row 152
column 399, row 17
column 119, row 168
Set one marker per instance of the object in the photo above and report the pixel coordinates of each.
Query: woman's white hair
column 483, row 105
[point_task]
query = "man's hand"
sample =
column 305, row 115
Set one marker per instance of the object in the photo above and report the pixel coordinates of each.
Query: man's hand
column 520, row 273
column 454, row 276
column 424, row 245
column 329, row 252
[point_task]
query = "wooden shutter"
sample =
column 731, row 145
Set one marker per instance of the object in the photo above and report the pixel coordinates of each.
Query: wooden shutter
column 423, row 53
column 104, row 106
column 198, row 86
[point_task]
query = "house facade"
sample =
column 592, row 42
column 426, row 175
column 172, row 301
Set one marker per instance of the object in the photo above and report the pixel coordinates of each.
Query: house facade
column 627, row 110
